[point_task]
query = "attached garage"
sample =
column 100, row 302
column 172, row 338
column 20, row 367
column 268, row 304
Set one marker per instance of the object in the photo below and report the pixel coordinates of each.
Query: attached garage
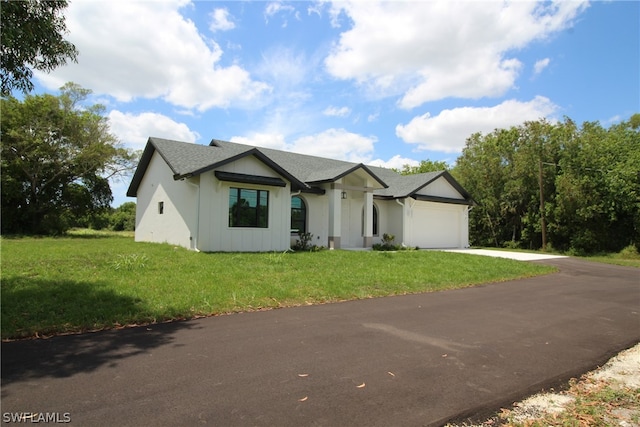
column 428, row 211
column 436, row 225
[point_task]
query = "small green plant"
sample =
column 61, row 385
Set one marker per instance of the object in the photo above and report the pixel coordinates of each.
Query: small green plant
column 304, row 244
column 630, row 252
column 387, row 244
column 511, row 244
column 277, row 257
column 130, row 262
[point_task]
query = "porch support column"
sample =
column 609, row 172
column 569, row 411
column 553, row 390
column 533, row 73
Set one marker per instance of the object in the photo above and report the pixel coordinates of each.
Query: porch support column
column 335, row 217
column 368, row 220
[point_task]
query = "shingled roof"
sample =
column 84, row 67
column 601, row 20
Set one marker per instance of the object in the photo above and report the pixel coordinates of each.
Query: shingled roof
column 309, row 169
column 303, row 171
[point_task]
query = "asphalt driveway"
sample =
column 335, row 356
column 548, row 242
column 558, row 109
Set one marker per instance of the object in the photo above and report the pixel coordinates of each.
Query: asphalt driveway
column 409, row 360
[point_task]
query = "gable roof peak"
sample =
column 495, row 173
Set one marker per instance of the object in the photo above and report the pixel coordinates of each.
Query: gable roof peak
column 302, row 170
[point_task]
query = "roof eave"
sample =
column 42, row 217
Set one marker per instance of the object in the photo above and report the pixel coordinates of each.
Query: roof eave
column 295, row 182
column 349, row 171
column 438, row 199
column 141, row 169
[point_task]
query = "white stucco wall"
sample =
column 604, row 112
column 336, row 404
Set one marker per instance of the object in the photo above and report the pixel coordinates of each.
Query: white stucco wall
column 352, row 210
column 440, row 188
column 317, row 218
column 177, row 222
column 390, row 220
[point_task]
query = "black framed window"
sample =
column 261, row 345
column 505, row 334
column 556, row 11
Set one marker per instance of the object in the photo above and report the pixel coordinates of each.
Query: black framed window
column 298, row 215
column 248, row 208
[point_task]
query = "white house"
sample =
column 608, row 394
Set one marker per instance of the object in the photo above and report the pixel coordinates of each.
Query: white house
column 234, row 197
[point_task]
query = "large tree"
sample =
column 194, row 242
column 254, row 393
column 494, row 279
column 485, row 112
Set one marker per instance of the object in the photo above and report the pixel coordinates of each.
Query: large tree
column 57, row 158
column 598, row 189
column 424, row 166
column 575, row 188
column 32, row 38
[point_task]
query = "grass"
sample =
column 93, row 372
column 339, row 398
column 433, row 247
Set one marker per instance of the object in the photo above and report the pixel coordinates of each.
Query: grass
column 628, row 257
column 90, row 281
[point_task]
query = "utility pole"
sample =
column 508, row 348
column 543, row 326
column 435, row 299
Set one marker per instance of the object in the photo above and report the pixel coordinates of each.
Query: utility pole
column 543, row 221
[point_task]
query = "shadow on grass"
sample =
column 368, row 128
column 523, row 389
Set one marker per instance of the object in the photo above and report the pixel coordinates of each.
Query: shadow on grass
column 30, row 305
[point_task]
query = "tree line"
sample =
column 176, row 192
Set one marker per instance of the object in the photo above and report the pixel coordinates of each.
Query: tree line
column 554, row 185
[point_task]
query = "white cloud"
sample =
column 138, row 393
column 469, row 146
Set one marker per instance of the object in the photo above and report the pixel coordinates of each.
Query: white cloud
column 133, row 130
column 276, row 7
column 273, row 8
column 396, row 162
column 428, row 51
column 337, row 112
column 284, row 67
column 315, row 8
column 332, row 143
column 160, row 56
column 540, row 65
column 288, row 72
column 337, row 144
column 220, row 21
column 449, row 130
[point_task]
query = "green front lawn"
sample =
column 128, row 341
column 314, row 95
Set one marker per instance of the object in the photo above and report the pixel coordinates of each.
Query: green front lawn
column 88, row 282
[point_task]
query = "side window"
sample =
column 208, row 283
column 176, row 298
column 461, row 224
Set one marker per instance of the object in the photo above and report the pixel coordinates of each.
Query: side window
column 298, row 215
column 160, row 208
column 375, row 220
column 248, row 208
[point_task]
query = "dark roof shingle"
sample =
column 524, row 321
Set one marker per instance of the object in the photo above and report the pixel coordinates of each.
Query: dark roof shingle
column 187, row 159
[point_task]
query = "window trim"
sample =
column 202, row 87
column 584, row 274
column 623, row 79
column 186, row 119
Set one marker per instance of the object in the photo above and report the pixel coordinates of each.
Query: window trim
column 304, row 209
column 258, row 210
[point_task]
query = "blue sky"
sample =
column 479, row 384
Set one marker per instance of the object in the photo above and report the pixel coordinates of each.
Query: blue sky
column 384, row 83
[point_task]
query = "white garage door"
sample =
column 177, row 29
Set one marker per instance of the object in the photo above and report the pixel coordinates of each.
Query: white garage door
column 435, row 225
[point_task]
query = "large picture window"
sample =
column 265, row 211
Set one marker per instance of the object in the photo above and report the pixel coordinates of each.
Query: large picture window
column 248, row 208
column 298, row 215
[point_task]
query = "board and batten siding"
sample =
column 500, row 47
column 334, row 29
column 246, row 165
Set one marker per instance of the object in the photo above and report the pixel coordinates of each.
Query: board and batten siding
column 215, row 233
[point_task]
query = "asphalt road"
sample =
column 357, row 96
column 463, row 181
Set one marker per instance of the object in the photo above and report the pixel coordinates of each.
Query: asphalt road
column 398, row 361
